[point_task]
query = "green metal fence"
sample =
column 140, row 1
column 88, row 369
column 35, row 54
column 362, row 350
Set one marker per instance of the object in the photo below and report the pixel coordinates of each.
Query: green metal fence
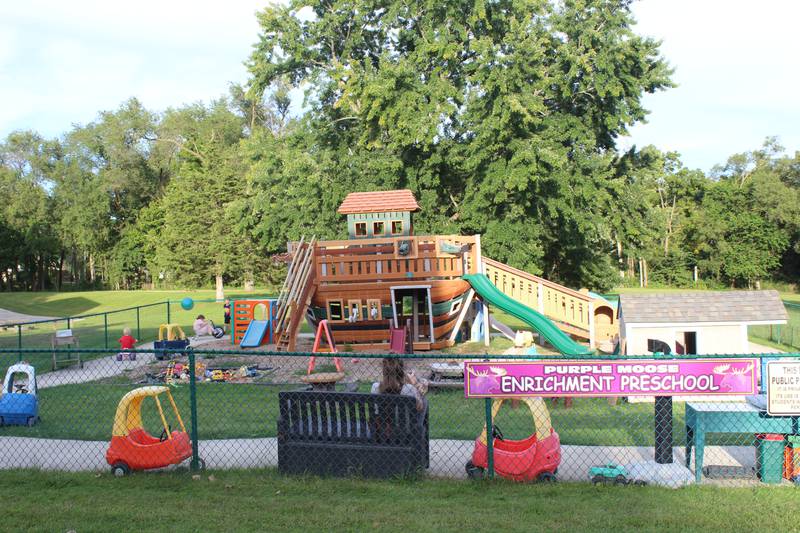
column 101, row 330
column 255, row 409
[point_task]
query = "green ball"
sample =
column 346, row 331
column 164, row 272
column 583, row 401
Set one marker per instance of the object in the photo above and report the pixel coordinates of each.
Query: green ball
column 187, row 303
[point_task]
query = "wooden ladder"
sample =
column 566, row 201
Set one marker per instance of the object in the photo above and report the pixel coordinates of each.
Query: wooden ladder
column 295, row 296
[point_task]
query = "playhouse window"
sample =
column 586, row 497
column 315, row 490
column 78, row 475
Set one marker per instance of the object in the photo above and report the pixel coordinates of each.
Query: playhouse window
column 374, row 309
column 361, row 229
column 335, row 311
column 397, row 227
column 354, row 313
column 378, row 229
column 658, row 346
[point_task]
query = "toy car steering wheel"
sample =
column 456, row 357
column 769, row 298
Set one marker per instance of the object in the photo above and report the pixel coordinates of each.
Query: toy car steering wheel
column 20, row 388
column 164, row 434
column 497, row 434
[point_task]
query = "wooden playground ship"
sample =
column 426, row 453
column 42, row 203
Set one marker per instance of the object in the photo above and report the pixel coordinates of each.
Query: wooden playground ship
column 384, row 275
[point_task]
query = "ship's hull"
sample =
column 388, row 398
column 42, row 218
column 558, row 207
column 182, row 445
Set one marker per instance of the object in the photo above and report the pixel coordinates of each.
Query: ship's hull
column 441, row 300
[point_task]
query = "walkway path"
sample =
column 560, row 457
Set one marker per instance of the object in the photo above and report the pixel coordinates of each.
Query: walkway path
column 760, row 348
column 448, row 457
column 11, row 317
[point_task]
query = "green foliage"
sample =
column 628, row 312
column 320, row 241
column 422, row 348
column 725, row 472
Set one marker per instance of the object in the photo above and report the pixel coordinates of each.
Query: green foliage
column 502, row 118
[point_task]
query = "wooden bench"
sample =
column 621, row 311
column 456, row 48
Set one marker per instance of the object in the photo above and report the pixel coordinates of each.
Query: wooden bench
column 351, row 433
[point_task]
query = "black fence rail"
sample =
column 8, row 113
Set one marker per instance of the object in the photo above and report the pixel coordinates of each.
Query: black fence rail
column 372, row 415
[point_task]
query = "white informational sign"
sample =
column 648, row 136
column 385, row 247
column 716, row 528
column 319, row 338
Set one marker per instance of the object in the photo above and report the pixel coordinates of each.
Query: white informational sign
column 783, row 388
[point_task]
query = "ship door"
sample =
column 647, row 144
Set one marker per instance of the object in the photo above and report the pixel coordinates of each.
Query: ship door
column 414, row 304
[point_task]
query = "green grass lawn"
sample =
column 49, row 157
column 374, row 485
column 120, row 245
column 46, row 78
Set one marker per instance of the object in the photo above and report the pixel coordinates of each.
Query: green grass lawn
column 227, row 410
column 263, row 500
column 91, row 331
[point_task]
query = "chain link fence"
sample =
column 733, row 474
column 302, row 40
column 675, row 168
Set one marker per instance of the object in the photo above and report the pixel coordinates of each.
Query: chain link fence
column 231, row 408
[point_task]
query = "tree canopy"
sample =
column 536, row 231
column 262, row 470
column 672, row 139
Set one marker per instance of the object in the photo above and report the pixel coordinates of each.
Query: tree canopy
column 502, row 117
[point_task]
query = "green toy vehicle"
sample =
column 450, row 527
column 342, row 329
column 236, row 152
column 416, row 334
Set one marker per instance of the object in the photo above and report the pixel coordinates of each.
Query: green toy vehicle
column 611, row 473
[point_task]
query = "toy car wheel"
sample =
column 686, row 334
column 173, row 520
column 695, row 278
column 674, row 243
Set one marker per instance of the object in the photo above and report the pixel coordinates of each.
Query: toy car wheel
column 132, row 357
column 620, row 480
column 201, row 464
column 31, row 421
column 597, row 479
column 473, row 472
column 119, row 357
column 2, row 423
column 120, row 470
column 546, row 477
column 640, row 483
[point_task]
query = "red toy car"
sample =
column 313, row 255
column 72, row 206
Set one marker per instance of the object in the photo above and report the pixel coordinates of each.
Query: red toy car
column 133, row 448
column 535, row 458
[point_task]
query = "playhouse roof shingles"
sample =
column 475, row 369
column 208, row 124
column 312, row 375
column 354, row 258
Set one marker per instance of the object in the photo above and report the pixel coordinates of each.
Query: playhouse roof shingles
column 707, row 306
column 378, row 202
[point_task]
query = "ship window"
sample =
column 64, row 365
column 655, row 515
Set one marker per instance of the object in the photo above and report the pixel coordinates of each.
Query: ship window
column 361, row 229
column 335, row 311
column 378, row 229
column 354, row 310
column 397, row 227
column 374, row 309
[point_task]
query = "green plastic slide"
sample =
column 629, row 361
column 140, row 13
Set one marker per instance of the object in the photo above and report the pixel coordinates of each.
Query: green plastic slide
column 546, row 328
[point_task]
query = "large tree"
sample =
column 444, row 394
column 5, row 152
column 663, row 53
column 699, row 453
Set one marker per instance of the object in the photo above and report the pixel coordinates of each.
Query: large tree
column 501, row 116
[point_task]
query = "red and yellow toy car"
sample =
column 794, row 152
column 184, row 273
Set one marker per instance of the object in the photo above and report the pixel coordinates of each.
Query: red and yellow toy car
column 133, row 448
column 535, row 458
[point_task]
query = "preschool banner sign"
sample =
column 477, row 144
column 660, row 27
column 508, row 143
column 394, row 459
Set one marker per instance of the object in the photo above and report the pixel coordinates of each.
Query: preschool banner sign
column 609, row 378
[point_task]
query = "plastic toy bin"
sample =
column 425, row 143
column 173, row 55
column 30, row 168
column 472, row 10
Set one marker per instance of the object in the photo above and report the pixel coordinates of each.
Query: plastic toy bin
column 770, row 457
column 791, row 457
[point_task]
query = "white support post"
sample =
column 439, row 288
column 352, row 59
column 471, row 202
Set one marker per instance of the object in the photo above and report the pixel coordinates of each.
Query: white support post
column 486, row 333
column 540, row 296
column 467, row 302
column 479, row 255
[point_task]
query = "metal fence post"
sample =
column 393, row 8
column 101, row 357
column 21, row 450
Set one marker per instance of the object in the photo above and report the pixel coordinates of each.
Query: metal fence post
column 105, row 327
column 489, row 438
column 195, row 463
column 19, row 343
column 663, row 429
column 168, row 314
column 138, row 325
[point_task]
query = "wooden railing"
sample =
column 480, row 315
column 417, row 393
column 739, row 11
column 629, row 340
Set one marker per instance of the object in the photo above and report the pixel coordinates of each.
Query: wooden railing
column 555, row 301
column 393, row 259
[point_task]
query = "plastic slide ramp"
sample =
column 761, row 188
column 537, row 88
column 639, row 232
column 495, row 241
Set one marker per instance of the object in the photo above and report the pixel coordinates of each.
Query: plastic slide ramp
column 507, row 332
column 255, row 334
column 534, row 319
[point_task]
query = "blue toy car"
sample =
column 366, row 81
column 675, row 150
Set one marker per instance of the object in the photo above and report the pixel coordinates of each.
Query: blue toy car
column 19, row 404
column 612, row 473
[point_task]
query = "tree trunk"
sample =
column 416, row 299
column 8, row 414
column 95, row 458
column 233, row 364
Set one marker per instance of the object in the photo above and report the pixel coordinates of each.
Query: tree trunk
column 60, row 269
column 42, row 272
column 249, row 285
column 620, row 261
column 644, row 263
column 91, row 269
column 220, row 295
column 641, row 273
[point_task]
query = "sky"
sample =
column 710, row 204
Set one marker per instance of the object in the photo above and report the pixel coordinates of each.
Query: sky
column 736, row 66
